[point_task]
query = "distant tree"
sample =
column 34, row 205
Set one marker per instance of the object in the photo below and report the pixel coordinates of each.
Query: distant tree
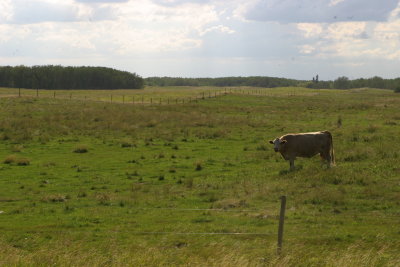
column 342, row 83
column 376, row 82
column 58, row 77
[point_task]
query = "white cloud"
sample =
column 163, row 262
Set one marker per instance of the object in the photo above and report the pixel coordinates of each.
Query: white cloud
column 310, row 29
column 6, row 10
column 335, row 2
column 307, row 49
column 218, row 28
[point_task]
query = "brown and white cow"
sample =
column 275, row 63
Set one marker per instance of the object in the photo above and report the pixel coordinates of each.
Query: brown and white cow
column 305, row 145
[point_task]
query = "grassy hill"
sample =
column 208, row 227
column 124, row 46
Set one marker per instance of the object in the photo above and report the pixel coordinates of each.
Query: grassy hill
column 97, row 184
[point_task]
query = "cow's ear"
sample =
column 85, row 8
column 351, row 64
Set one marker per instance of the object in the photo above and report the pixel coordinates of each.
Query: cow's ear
column 283, row 141
column 271, row 142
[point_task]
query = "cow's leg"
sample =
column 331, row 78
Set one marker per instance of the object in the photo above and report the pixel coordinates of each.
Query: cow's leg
column 326, row 156
column 291, row 161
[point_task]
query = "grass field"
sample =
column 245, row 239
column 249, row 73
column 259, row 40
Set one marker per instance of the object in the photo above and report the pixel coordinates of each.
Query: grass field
column 91, row 183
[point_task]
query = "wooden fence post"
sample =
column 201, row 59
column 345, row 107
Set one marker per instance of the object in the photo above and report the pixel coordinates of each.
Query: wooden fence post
column 54, row 94
column 281, row 222
column 37, row 92
column 19, row 92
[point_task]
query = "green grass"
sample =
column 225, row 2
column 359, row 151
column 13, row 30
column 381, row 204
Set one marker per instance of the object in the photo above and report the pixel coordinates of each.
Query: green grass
column 148, row 168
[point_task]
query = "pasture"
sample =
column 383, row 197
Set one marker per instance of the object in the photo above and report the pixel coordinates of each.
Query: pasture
column 93, row 183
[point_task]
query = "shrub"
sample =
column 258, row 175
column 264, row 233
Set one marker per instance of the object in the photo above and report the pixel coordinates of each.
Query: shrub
column 17, row 148
column 22, row 162
column 10, row 159
column 54, row 198
column 127, row 143
column 81, row 149
column 397, row 90
column 198, row 166
column 19, row 161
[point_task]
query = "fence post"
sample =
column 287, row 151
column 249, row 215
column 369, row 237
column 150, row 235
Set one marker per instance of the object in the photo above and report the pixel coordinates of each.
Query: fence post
column 54, row 94
column 281, row 222
column 19, row 92
column 37, row 92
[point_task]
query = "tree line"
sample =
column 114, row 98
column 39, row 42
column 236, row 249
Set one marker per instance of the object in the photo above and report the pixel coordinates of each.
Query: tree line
column 59, row 77
column 256, row 81
column 270, row 82
column 345, row 83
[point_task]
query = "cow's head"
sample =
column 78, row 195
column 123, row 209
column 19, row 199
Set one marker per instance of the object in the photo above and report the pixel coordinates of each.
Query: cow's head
column 277, row 144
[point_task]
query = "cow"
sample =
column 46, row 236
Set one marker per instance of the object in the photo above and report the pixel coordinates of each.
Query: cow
column 305, row 145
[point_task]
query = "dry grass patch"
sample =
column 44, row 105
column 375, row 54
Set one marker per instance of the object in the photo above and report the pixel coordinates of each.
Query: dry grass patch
column 10, row 159
column 13, row 159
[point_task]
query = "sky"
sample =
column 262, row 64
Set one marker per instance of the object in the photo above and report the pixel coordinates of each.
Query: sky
column 207, row 38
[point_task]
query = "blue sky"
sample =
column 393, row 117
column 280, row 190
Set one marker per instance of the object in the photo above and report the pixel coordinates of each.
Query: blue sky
column 207, row 38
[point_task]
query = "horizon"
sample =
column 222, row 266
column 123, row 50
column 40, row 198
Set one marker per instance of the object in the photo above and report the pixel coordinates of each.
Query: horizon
column 207, row 39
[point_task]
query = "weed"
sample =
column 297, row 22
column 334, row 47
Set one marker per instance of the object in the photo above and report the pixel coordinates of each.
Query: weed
column 81, row 149
column 199, row 166
column 22, row 162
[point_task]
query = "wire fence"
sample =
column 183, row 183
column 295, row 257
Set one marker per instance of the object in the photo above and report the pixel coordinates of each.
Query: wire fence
column 143, row 97
column 290, row 217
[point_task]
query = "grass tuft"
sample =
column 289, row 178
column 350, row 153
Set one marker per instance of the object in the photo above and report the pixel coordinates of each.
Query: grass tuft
column 81, row 149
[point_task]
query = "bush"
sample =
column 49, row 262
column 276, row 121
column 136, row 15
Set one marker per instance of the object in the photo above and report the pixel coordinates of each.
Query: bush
column 397, row 90
column 22, row 162
column 10, row 159
column 18, row 161
column 198, row 166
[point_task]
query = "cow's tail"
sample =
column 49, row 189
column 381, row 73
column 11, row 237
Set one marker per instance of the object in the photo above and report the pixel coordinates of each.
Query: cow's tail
column 331, row 151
